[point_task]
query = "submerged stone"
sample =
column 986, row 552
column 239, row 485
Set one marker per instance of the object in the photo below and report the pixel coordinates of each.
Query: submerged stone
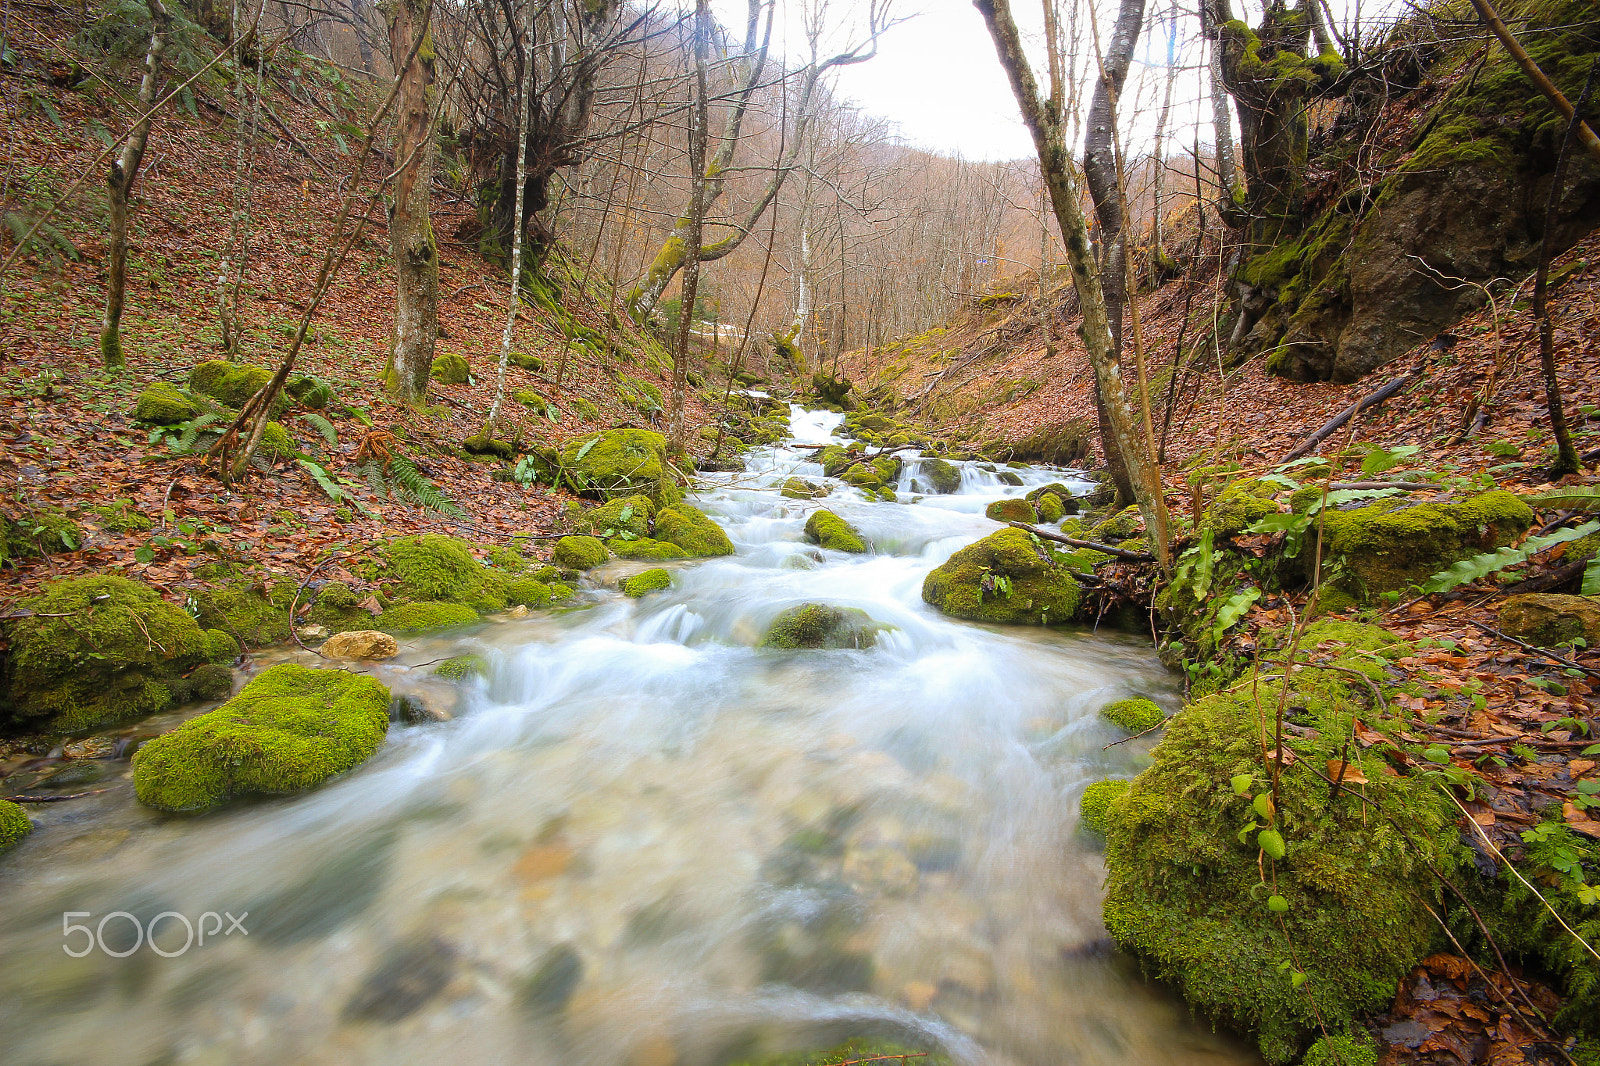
column 290, row 729
column 944, row 477
column 821, row 625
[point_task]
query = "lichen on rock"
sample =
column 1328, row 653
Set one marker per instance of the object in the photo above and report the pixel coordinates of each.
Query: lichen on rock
column 290, row 729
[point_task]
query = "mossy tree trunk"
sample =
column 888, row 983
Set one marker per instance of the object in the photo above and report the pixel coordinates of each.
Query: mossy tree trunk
column 1046, row 122
column 119, row 183
column 411, row 242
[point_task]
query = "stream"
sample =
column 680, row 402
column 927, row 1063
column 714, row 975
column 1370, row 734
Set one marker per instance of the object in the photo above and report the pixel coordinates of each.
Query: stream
column 642, row 841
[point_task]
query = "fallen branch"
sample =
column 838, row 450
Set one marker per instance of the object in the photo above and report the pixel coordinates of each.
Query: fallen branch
column 1370, row 400
column 1093, row 545
column 1552, row 656
column 55, row 799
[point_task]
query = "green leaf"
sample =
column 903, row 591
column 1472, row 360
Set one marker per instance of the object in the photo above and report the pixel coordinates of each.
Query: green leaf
column 1271, row 842
column 145, row 554
column 1297, row 979
column 1242, row 782
column 1591, row 577
column 1202, row 576
column 1481, row 566
column 1230, row 612
column 1263, row 806
column 1586, row 498
column 585, row 449
column 1378, row 460
column 1437, row 754
column 1277, row 904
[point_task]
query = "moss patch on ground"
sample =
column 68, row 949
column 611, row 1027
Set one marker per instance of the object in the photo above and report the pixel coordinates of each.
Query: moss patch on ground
column 291, row 728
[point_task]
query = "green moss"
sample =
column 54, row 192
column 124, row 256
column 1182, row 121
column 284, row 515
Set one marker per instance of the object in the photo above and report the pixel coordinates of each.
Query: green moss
column 1094, row 808
column 436, row 567
column 508, row 559
column 290, row 729
column 209, row 681
column 309, row 391
column 692, row 530
column 14, row 825
column 161, row 404
column 252, row 610
column 1006, row 577
column 834, row 533
column 220, row 646
column 1119, row 527
column 1549, row 620
column 450, row 369
column 560, row 593
column 1184, row 887
column 644, row 548
column 529, row 398
column 1011, row 510
column 944, row 477
column 625, row 514
column 650, row 581
column 620, row 462
column 528, row 592
column 1135, row 715
column 1393, row 544
column 109, row 653
column 579, row 553
column 800, row 489
column 1339, row 1049
column 121, row 516
column 1238, row 506
column 1050, row 509
column 231, row 383
column 425, row 616
column 821, row 625
column 462, row 667
column 275, row 442
column 484, row 447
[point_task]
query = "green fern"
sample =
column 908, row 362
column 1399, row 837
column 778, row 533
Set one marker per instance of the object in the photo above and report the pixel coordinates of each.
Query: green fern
column 419, row 490
column 323, row 426
column 1584, row 499
column 47, row 242
column 372, row 470
column 1591, row 577
column 1481, row 566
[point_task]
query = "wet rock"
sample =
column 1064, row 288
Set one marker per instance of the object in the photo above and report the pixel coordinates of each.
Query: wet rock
column 1006, row 477
column 1548, row 620
column 643, row 584
column 821, row 625
column 1011, row 510
column 579, row 553
column 881, row 869
column 1005, row 577
column 519, row 611
column 834, row 533
column 90, row 748
column 1135, row 715
column 944, row 477
column 798, row 488
column 550, row 986
column 403, row 982
column 78, row 773
column 413, row 709
column 312, row 632
column 361, row 644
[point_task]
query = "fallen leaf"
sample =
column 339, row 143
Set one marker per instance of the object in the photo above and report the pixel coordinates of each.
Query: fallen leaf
column 370, row 604
column 1351, row 775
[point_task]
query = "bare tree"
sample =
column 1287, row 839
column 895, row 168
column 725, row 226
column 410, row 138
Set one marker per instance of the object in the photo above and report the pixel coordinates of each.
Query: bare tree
column 119, row 182
column 699, row 123
column 411, row 241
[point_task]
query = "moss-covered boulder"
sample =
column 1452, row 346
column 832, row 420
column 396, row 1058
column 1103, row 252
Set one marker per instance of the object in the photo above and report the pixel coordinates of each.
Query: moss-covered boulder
column 692, row 530
column 161, row 404
column 1347, row 884
column 483, row 446
column 1239, row 505
column 98, row 649
column 290, row 729
column 309, row 391
column 798, row 488
column 579, row 553
column 834, row 533
column 650, row 581
column 275, row 442
column 43, row 531
column 633, row 515
column 1548, row 620
column 1135, row 715
column 1094, row 806
column 1124, row 525
column 620, row 462
column 528, row 592
column 1007, row 577
column 1050, row 508
column 644, row 548
column 231, row 383
column 1069, row 502
column 821, row 625
column 462, row 668
column 1395, row 543
column 944, row 477
column 450, row 369
column 1011, row 510
column 14, row 825
column 436, row 567
column 425, row 616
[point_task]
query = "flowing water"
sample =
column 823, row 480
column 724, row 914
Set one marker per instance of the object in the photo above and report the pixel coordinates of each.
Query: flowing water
column 642, row 841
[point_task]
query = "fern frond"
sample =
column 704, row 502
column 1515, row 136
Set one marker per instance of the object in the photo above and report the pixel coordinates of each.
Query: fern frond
column 1584, row 498
column 1481, row 566
column 323, row 426
column 191, row 431
column 419, row 490
column 372, row 470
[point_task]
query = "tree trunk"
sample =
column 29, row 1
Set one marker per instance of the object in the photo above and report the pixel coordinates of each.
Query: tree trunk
column 1230, row 195
column 492, row 424
column 1046, row 127
column 119, row 183
column 699, row 120
column 416, row 257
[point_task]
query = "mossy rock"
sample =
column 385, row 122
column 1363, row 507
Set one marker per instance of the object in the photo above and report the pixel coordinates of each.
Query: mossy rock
column 208, row 681
column 1182, row 888
column 798, row 488
column 112, row 652
column 528, row 592
column 1549, row 620
column 944, row 477
column 309, row 391
column 1005, row 577
column 620, row 462
column 650, row 581
column 1341, row 1049
column 433, row 566
column 1238, row 506
column 1135, row 715
column 1124, row 525
column 161, row 404
column 834, row 533
column 692, row 530
column 240, row 603
column 275, row 442
column 231, row 383
column 220, row 646
column 290, row 729
column 821, row 625
column 1011, row 510
column 579, row 553
column 644, row 548
column 41, row 531
column 1094, row 807
column 1050, row 508
column 450, row 369
column 14, row 825
column 529, row 398
column 425, row 616
column 484, row 446
column 462, row 667
column 633, row 515
column 1056, row 489
column 121, row 516
column 1006, row 477
column 1391, row 545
